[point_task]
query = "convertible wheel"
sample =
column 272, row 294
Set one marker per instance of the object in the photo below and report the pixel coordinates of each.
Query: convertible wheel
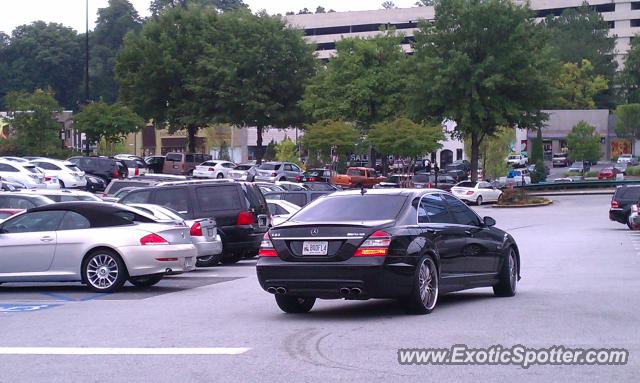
column 295, row 305
column 425, row 294
column 220, row 176
column 209, row 260
column 104, row 271
column 145, row 281
column 479, row 200
column 508, row 278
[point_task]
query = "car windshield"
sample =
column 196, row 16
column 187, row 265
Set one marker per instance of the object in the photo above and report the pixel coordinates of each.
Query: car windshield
column 421, row 178
column 514, row 157
column 367, row 207
column 243, row 167
column 269, row 166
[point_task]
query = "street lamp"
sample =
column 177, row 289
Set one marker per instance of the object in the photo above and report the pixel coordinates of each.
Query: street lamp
column 86, row 65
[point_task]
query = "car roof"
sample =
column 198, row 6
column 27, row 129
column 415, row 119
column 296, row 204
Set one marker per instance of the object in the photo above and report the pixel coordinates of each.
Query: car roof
column 24, row 195
column 52, row 192
column 96, row 212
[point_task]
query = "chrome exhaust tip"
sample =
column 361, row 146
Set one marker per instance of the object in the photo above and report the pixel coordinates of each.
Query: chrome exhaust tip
column 272, row 290
column 345, row 291
column 281, row 290
column 356, row 291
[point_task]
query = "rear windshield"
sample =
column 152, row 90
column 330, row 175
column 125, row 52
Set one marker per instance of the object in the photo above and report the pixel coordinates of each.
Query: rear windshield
column 73, row 168
column 356, row 172
column 270, row 166
column 421, row 178
column 215, row 198
column 467, row 184
column 117, row 185
column 243, row 167
column 174, row 157
column 352, row 208
column 632, row 193
column 31, row 169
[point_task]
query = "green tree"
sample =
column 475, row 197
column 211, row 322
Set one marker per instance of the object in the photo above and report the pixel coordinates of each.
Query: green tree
column 628, row 121
column 578, row 86
column 114, row 22
column 287, row 151
column 405, row 138
column 493, row 151
column 111, row 122
column 482, row 64
column 255, row 72
column 155, row 69
column 583, row 143
column 388, row 5
column 32, row 117
column 270, row 151
column 580, row 34
column 425, row 3
column 224, row 151
column 320, row 9
column 630, row 75
column 324, row 135
column 158, row 6
column 39, row 56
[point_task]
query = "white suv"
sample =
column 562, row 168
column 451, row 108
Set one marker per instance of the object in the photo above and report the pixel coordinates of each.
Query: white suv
column 26, row 175
column 69, row 175
column 517, row 160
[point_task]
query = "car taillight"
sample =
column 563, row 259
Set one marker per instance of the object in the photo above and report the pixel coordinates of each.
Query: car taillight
column 196, row 230
column 614, row 204
column 116, row 174
column 312, row 179
column 266, row 247
column 274, row 174
column 469, row 192
column 298, row 179
column 153, row 239
column 245, row 218
column 136, row 172
column 211, row 169
column 47, row 179
column 377, row 245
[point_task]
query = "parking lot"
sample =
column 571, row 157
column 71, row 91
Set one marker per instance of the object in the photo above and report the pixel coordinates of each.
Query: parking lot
column 580, row 275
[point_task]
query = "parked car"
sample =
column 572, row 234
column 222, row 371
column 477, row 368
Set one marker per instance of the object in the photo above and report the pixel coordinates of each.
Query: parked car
column 213, row 169
column 103, row 167
column 517, row 160
column 579, row 167
column 6, row 213
column 516, row 177
column 609, row 173
column 396, row 181
column 560, row 160
column 427, row 180
column 117, row 185
column 18, row 172
column 633, row 221
column 317, row 175
column 531, row 168
column 6, row 185
column 299, row 198
column 238, row 208
column 95, row 184
column 291, row 186
column 204, row 232
column 457, row 175
column 266, row 187
column 13, row 200
column 243, row 172
column 410, row 245
column 358, row 177
column 69, row 175
column 457, row 166
column 101, row 245
column 623, row 198
column 281, row 210
column 182, row 163
column 278, row 171
column 320, row 186
column 155, row 164
column 627, row 159
column 476, row 192
column 136, row 166
column 64, row 195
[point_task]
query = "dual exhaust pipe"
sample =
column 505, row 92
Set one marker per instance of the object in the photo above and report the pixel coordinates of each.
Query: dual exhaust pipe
column 346, row 291
column 277, row 290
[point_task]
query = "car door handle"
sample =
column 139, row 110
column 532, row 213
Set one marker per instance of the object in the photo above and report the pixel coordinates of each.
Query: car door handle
column 46, row 239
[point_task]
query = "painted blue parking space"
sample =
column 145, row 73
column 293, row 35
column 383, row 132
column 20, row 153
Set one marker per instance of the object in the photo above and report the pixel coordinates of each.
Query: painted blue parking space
column 22, row 308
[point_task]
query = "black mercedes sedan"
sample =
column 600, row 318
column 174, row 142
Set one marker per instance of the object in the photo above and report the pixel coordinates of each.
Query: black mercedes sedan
column 406, row 244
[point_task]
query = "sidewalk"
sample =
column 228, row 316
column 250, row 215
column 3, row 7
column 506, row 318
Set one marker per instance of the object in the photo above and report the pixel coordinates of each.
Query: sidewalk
column 549, row 193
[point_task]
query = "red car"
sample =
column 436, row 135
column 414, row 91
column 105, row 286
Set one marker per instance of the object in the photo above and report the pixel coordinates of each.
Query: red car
column 608, row 173
column 6, row 213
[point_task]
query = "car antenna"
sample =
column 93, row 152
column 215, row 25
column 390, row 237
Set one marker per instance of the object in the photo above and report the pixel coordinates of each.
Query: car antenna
column 363, row 191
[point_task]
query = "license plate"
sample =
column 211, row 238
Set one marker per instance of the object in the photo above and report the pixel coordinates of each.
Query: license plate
column 188, row 262
column 314, row 247
column 210, row 233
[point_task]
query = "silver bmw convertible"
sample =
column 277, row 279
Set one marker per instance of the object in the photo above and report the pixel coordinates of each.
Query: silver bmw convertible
column 99, row 244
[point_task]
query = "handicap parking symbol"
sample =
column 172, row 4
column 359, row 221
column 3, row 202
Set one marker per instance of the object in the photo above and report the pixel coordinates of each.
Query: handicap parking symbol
column 17, row 308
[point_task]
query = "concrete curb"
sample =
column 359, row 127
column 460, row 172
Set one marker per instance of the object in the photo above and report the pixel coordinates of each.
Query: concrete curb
column 549, row 202
column 573, row 193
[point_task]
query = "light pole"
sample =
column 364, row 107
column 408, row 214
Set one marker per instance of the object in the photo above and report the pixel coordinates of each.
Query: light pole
column 86, row 68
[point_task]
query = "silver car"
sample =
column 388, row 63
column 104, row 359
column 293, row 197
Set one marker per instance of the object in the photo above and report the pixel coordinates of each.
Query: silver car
column 204, row 232
column 243, row 172
column 279, row 171
column 99, row 244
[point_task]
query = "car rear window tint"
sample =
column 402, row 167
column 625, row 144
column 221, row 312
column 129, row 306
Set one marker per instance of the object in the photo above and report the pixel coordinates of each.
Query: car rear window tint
column 173, row 198
column 630, row 193
column 174, row 157
column 217, row 198
column 142, row 196
column 352, row 208
column 299, row 199
column 269, row 167
column 114, row 186
column 436, row 209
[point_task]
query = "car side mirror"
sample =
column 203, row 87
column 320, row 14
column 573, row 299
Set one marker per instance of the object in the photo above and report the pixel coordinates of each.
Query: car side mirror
column 488, row 221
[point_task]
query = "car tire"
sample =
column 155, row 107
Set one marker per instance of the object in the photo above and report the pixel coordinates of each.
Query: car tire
column 295, row 305
column 220, row 176
column 98, row 270
column 508, row 277
column 231, row 258
column 146, row 280
column 61, row 184
column 424, row 297
column 479, row 200
column 209, row 260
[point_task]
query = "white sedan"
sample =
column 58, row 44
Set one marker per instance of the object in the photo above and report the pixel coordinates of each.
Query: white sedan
column 69, row 175
column 26, row 175
column 281, row 210
column 476, row 192
column 213, row 169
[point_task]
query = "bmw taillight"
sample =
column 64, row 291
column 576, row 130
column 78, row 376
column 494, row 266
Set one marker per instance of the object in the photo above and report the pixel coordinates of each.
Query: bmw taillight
column 298, row 179
column 136, row 172
column 614, row 204
column 116, row 174
column 312, row 179
column 153, row 239
column 274, row 174
column 245, row 218
column 196, row 230
column 266, row 247
column 377, row 245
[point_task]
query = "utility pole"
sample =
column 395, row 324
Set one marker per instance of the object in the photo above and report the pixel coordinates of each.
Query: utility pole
column 86, row 69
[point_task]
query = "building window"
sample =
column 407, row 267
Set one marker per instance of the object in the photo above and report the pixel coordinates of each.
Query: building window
column 612, row 24
column 610, row 7
column 458, row 154
column 635, row 5
column 635, row 23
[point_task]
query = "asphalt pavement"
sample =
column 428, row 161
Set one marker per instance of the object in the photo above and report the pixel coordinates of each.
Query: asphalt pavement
column 579, row 288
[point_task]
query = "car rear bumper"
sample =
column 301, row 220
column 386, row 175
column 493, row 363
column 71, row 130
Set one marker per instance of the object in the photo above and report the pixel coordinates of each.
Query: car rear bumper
column 370, row 275
column 203, row 174
column 159, row 259
column 206, row 248
column 618, row 215
column 265, row 178
column 241, row 238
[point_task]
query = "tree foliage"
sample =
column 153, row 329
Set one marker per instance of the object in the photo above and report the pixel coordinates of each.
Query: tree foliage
column 112, row 122
column 158, row 6
column 578, row 86
column 42, row 55
column 405, row 138
column 628, row 121
column 388, row 5
column 583, row 143
column 33, row 123
column 321, row 136
column 493, row 151
column 630, row 74
column 287, row 151
column 482, row 64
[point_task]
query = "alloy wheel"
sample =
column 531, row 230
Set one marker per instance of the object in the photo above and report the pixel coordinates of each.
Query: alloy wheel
column 428, row 283
column 513, row 270
column 102, row 271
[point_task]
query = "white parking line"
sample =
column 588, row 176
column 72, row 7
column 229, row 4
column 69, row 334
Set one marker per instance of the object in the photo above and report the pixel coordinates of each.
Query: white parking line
column 122, row 350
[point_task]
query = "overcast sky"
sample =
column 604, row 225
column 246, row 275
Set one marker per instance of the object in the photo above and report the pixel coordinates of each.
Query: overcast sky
column 72, row 12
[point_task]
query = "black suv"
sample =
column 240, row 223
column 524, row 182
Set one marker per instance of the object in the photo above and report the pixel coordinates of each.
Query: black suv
column 624, row 197
column 103, row 167
column 238, row 207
